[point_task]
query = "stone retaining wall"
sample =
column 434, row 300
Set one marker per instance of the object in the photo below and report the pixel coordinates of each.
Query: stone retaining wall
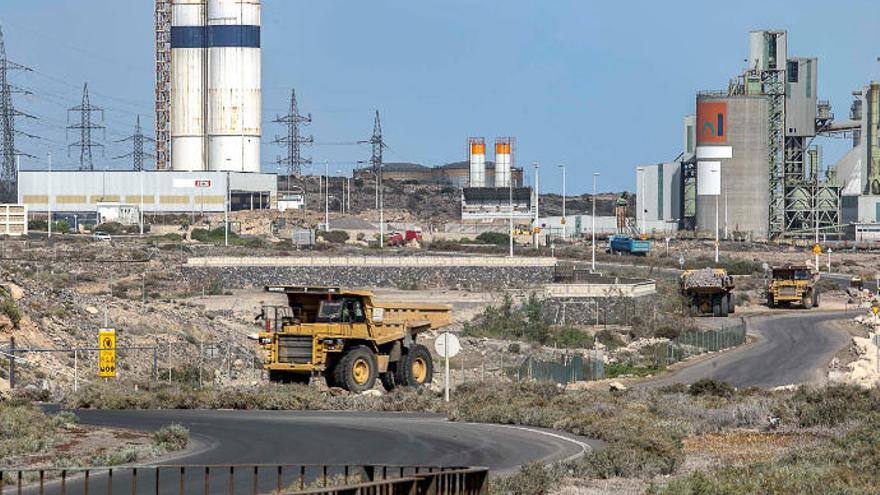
column 404, row 277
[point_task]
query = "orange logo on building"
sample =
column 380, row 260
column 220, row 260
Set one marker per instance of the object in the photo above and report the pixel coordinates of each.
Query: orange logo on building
column 712, row 122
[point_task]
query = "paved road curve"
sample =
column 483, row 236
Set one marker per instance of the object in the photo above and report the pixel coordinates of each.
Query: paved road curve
column 255, row 437
column 789, row 349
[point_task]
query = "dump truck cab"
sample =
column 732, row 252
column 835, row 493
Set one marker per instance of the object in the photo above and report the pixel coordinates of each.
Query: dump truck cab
column 347, row 337
column 793, row 284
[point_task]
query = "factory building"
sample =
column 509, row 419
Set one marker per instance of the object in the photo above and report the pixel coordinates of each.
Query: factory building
column 503, row 198
column 456, row 174
column 748, row 158
column 215, row 97
column 660, row 210
column 86, row 193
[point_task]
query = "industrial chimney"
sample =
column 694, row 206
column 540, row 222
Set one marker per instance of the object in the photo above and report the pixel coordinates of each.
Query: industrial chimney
column 477, row 151
column 503, row 161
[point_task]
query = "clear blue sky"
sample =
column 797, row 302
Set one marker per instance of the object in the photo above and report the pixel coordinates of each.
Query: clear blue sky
column 599, row 86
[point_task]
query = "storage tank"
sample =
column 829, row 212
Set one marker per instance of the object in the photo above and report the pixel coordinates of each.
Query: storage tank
column 734, row 131
column 188, row 82
column 503, row 161
column 234, row 88
column 477, row 151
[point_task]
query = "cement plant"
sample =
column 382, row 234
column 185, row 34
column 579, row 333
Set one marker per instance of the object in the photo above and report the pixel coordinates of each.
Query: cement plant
column 380, row 312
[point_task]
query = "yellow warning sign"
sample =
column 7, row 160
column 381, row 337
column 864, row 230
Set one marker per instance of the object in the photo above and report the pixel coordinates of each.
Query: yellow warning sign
column 875, row 309
column 817, row 249
column 107, row 353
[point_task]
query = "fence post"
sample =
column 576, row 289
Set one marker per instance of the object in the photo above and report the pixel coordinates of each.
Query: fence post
column 75, row 370
column 155, row 370
column 11, row 363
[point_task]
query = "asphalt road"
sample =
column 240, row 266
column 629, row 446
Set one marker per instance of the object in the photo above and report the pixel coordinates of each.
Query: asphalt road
column 336, row 438
column 794, row 348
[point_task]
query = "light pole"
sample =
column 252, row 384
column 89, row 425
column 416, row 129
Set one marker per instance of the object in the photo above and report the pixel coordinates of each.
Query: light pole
column 510, row 232
column 640, row 200
column 327, row 196
column 141, row 175
column 342, row 206
column 49, row 195
column 593, row 227
column 564, row 220
column 537, row 203
column 226, row 212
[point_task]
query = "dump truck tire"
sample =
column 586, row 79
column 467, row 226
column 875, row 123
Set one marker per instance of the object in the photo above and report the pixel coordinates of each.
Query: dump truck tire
column 725, row 308
column 770, row 301
column 416, row 368
column 357, row 370
column 807, row 300
column 731, row 303
column 815, row 298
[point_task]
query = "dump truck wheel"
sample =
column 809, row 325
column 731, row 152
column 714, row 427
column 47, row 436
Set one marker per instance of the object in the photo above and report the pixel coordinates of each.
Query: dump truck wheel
column 770, row 300
column 357, row 370
column 725, row 309
column 731, row 303
column 815, row 298
column 417, row 367
column 807, row 300
column 388, row 379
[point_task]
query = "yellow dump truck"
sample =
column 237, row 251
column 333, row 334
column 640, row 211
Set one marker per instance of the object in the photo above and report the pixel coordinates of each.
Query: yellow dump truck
column 348, row 337
column 793, row 284
column 709, row 291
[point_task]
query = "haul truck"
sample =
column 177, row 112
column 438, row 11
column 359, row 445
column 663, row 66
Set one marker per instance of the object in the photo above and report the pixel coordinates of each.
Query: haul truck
column 710, row 291
column 348, row 337
column 793, row 284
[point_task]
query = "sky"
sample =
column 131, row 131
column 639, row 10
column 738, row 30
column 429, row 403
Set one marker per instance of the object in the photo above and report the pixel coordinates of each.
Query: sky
column 596, row 86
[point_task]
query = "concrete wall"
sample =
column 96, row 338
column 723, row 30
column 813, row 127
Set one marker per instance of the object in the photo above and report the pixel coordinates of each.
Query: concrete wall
column 745, row 177
column 661, row 186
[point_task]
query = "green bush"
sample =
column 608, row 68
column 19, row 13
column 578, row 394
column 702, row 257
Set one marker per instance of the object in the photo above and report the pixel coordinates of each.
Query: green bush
column 496, row 238
column 525, row 322
column 715, row 388
column 9, row 308
column 828, row 406
column 38, row 225
column 171, row 438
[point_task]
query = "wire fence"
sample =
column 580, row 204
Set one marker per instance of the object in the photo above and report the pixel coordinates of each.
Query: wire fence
column 687, row 345
column 69, row 368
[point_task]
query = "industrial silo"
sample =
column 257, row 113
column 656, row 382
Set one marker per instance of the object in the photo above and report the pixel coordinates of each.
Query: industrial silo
column 477, row 160
column 188, row 81
column 234, row 88
column 733, row 130
column 503, row 160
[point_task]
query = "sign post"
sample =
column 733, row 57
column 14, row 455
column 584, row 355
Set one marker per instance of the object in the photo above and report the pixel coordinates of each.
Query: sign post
column 107, row 353
column 447, row 346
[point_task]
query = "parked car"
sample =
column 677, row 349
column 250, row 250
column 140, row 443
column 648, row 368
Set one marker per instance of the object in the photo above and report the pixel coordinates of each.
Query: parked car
column 101, row 236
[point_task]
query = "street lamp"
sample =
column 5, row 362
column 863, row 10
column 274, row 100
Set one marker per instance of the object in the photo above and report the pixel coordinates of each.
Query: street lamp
column 49, row 198
column 327, row 196
column 339, row 172
column 564, row 220
column 510, row 232
column 640, row 200
column 593, row 228
column 537, row 203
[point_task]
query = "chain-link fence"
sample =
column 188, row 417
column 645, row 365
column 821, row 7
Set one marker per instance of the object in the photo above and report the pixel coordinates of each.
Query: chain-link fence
column 663, row 353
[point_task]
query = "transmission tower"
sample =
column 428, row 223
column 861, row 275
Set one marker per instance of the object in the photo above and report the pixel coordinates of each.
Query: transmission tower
column 137, row 154
column 294, row 139
column 85, row 128
column 8, row 152
column 378, row 146
column 163, row 84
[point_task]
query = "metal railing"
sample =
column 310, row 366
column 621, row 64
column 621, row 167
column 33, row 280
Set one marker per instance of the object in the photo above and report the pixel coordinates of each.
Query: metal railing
column 254, row 479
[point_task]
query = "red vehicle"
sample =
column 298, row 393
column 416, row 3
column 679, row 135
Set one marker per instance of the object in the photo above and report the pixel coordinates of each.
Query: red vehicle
column 396, row 239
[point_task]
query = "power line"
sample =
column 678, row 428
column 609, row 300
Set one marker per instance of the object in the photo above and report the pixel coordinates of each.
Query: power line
column 294, row 139
column 137, row 154
column 85, row 128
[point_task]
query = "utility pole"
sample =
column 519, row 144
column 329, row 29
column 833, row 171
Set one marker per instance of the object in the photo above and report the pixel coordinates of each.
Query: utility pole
column 593, row 227
column 137, row 154
column 510, row 205
column 8, row 153
column 537, row 203
column 85, row 128
column 294, row 139
column 376, row 161
column 327, row 196
column 564, row 221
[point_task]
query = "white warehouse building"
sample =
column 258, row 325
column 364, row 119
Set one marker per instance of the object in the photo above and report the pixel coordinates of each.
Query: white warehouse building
column 658, row 197
column 84, row 192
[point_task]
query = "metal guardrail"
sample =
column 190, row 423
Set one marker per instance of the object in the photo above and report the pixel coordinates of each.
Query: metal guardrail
column 254, row 479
